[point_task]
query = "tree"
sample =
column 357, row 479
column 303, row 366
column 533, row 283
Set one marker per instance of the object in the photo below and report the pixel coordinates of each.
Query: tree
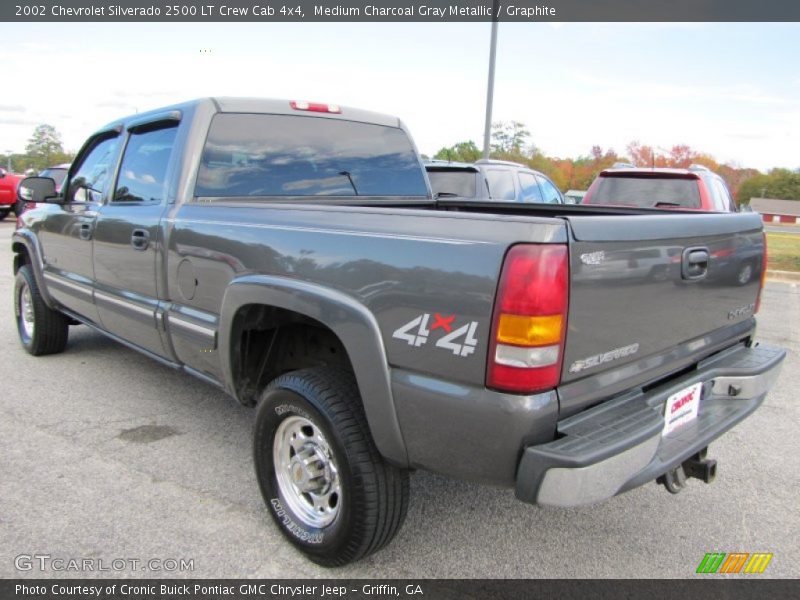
column 778, row 183
column 460, row 152
column 44, row 147
column 509, row 137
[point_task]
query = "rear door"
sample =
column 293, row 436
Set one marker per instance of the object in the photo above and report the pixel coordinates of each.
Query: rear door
column 127, row 237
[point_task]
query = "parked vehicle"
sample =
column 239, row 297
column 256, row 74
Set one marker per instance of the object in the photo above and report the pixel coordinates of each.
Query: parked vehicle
column 58, row 173
column 293, row 255
column 695, row 188
column 489, row 179
column 8, row 192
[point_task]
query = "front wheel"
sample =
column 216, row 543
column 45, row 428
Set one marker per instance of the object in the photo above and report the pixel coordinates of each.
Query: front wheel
column 41, row 329
column 326, row 486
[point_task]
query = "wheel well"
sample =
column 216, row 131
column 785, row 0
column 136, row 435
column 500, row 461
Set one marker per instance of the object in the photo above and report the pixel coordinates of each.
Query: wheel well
column 267, row 341
column 20, row 256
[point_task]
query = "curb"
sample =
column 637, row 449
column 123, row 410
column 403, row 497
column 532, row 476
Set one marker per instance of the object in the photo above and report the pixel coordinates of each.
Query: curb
column 774, row 275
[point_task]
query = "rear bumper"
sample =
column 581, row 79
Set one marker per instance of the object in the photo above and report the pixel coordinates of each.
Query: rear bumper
column 619, row 445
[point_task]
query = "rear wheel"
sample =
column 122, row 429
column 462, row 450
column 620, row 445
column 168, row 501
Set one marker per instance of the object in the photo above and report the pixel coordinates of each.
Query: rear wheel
column 326, row 486
column 41, row 329
column 4, row 213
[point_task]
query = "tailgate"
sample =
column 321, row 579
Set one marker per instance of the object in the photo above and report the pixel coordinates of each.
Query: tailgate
column 648, row 286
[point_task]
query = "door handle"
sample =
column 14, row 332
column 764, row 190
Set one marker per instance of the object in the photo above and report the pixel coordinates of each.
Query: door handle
column 695, row 263
column 140, row 239
column 85, row 231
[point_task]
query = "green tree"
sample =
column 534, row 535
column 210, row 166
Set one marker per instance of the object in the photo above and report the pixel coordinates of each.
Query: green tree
column 44, row 148
column 778, row 183
column 509, row 137
column 460, row 152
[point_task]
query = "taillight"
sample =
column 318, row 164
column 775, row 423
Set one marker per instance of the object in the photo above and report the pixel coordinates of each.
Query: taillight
column 530, row 319
column 315, row 106
column 763, row 274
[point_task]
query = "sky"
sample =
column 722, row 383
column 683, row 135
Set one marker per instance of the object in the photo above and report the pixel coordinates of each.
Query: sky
column 728, row 89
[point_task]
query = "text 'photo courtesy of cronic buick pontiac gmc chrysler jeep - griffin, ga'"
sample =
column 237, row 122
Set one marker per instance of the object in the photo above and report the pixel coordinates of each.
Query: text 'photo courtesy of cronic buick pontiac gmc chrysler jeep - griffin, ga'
column 294, row 255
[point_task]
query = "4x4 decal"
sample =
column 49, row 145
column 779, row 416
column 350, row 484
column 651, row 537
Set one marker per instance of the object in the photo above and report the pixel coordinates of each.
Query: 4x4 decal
column 461, row 341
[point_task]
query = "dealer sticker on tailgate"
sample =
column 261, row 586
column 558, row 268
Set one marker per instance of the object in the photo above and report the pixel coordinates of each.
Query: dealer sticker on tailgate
column 682, row 408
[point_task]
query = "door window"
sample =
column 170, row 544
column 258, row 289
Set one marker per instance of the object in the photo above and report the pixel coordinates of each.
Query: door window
column 89, row 182
column 530, row 190
column 550, row 193
column 501, row 184
column 144, row 166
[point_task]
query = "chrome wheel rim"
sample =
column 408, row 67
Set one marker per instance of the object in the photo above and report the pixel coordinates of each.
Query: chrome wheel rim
column 26, row 318
column 307, row 474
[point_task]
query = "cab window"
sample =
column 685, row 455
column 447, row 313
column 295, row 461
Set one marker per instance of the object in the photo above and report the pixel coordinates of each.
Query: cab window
column 90, row 180
column 144, row 166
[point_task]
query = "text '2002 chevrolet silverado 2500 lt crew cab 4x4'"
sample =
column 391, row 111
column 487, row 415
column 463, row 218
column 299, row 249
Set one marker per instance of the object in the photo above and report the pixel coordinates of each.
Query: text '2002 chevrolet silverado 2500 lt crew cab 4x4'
column 293, row 255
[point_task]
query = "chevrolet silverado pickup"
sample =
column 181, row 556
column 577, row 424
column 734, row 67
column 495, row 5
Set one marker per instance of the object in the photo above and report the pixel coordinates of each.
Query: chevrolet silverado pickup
column 293, row 255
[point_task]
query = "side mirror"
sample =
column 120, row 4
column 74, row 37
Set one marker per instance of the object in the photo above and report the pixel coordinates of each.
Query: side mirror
column 37, row 189
column 2, row 173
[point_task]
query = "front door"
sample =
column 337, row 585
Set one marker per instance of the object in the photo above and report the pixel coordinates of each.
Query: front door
column 127, row 240
column 66, row 232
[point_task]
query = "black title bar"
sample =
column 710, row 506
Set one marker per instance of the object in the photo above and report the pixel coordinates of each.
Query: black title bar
column 241, row 11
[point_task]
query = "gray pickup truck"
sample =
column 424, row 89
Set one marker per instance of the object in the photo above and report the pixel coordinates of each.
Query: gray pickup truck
column 292, row 254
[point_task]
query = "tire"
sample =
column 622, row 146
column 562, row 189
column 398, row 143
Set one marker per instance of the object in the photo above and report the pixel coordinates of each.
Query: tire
column 41, row 329
column 4, row 213
column 355, row 502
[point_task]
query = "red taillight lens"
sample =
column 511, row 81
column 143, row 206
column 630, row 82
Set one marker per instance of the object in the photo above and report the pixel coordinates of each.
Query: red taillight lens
column 315, row 106
column 529, row 320
column 763, row 275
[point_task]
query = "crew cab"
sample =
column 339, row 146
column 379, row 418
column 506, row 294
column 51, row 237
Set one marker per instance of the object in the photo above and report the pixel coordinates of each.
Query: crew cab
column 293, row 255
column 695, row 188
column 491, row 179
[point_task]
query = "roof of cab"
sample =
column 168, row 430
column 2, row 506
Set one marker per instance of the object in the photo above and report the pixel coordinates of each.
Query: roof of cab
column 260, row 106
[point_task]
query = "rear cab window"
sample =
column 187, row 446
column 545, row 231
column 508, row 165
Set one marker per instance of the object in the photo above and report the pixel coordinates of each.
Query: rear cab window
column 252, row 155
column 647, row 191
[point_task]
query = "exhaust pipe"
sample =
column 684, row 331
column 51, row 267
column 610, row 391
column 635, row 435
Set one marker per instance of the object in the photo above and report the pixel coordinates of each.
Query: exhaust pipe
column 697, row 467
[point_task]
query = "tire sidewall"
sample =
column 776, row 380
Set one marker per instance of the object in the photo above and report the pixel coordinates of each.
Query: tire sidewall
column 278, row 404
column 23, row 280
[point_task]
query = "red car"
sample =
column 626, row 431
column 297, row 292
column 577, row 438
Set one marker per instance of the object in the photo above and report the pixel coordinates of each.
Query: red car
column 695, row 188
column 8, row 192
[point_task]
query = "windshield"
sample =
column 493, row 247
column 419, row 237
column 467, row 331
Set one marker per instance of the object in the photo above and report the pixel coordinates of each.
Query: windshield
column 646, row 192
column 453, row 182
column 287, row 155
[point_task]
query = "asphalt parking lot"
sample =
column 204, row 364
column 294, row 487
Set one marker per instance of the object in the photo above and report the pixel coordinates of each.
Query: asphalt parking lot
column 107, row 455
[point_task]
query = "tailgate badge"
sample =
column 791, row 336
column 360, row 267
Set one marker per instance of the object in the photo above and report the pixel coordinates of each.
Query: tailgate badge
column 742, row 311
column 593, row 258
column 599, row 359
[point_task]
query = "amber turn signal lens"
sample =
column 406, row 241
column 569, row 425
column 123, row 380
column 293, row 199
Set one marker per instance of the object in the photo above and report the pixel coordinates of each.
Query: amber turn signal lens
column 529, row 331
